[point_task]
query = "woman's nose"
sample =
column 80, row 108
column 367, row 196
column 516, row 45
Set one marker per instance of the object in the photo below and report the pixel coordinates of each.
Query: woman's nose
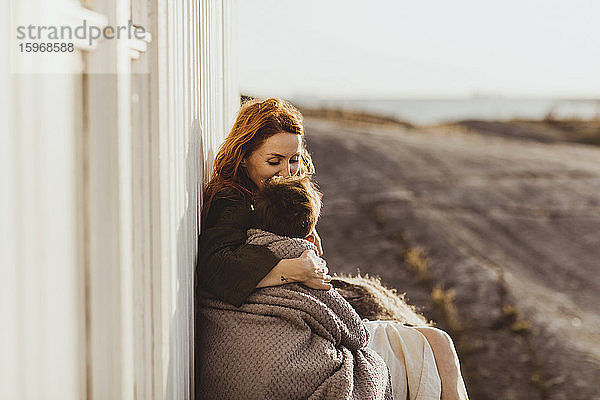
column 286, row 171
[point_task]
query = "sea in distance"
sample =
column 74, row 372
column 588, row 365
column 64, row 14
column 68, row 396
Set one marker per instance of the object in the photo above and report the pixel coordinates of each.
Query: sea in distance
column 422, row 111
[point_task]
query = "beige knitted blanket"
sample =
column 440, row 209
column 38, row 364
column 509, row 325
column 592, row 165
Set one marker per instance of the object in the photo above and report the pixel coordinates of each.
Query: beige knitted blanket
column 286, row 342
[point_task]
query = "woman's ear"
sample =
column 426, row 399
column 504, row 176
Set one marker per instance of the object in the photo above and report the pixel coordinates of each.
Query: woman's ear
column 243, row 163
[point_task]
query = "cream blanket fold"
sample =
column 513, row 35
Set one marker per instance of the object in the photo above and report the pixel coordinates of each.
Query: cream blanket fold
column 286, row 342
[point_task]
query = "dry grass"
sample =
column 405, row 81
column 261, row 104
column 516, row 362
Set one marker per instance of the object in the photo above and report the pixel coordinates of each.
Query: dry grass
column 373, row 301
column 520, row 327
column 418, row 263
column 443, row 301
column 515, row 320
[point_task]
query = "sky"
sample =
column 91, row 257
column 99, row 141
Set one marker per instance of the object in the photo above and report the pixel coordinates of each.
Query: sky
column 419, row 48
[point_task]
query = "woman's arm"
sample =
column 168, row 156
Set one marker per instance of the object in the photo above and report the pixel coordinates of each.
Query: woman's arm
column 231, row 269
column 228, row 267
column 307, row 269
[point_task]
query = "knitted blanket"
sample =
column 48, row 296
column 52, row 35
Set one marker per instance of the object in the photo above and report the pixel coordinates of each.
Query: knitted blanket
column 286, row 342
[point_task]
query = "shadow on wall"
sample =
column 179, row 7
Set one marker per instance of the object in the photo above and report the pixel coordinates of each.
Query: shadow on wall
column 181, row 345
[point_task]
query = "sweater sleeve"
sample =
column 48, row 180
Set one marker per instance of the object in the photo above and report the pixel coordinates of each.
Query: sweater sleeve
column 228, row 267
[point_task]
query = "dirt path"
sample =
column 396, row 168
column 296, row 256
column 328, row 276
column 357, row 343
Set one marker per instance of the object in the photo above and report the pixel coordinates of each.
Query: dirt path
column 511, row 226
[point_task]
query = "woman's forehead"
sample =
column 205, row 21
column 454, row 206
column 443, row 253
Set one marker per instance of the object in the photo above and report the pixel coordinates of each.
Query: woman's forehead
column 282, row 143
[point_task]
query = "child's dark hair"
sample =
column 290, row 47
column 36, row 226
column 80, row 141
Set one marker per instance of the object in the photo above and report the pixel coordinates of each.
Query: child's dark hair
column 287, row 206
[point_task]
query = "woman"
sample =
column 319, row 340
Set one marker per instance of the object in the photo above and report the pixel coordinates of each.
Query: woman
column 267, row 139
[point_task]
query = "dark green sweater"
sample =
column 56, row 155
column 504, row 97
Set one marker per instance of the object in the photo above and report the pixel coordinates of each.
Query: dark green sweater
column 228, row 267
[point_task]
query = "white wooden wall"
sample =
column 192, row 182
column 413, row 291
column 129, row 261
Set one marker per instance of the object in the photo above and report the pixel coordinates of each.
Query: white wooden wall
column 101, row 177
column 42, row 308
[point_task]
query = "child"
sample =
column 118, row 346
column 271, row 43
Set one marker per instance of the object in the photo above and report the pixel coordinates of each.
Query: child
column 287, row 341
column 285, row 212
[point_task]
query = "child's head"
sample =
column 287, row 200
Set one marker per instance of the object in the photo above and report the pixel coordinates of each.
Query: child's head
column 287, row 206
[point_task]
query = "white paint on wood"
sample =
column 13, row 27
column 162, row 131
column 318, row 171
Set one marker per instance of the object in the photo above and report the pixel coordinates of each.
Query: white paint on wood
column 42, row 343
column 100, row 220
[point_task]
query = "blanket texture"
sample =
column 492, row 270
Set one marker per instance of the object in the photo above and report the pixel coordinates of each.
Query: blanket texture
column 286, row 342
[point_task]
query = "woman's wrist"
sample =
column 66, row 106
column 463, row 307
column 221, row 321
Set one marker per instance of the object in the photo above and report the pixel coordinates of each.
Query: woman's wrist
column 285, row 270
column 307, row 269
column 282, row 273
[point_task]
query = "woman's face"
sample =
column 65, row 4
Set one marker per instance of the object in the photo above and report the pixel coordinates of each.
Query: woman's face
column 278, row 155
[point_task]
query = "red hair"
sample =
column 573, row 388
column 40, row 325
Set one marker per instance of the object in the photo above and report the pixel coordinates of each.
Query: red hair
column 256, row 121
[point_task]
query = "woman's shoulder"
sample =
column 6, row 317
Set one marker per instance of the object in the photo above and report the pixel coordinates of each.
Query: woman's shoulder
column 228, row 205
column 229, row 193
column 227, row 197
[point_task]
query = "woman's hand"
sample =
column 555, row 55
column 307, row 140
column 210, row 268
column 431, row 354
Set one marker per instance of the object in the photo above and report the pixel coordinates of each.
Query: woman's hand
column 312, row 271
column 308, row 269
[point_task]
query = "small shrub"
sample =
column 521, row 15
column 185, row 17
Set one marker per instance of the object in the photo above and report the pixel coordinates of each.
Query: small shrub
column 443, row 300
column 520, row 327
column 418, row 263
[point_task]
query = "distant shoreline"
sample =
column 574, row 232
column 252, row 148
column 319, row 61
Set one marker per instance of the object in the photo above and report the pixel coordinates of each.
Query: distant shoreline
column 550, row 128
column 425, row 112
column 354, row 116
column 547, row 130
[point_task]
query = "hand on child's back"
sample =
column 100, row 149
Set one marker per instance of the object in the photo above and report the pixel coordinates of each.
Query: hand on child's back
column 313, row 271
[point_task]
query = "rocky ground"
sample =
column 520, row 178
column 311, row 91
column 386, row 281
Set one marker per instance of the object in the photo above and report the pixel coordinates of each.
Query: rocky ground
column 495, row 237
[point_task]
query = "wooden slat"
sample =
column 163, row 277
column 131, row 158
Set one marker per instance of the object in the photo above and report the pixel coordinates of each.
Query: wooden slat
column 100, row 230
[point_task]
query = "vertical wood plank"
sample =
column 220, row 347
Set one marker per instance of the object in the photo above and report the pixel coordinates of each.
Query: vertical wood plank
column 40, row 283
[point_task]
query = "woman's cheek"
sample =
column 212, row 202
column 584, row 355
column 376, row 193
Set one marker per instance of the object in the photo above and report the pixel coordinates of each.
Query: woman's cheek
column 271, row 172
